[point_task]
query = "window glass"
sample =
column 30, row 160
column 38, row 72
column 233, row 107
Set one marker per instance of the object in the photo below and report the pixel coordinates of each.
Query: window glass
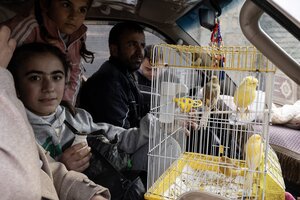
column 286, row 91
column 281, row 36
column 289, row 8
column 97, row 42
column 191, row 25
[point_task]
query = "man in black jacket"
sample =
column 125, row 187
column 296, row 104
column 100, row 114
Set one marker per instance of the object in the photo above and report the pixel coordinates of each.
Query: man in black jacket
column 111, row 95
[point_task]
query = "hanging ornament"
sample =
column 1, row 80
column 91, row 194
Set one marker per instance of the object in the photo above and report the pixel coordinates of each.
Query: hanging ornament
column 216, row 42
column 216, row 38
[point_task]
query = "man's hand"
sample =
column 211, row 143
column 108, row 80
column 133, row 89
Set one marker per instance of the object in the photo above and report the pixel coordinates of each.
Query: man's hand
column 7, row 46
column 77, row 157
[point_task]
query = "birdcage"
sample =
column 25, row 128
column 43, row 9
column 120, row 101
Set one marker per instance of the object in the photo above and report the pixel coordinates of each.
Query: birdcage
column 216, row 104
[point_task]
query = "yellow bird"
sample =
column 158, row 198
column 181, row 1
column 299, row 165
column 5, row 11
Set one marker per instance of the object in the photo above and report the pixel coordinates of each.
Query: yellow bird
column 245, row 94
column 186, row 104
column 230, row 168
column 211, row 94
column 254, row 157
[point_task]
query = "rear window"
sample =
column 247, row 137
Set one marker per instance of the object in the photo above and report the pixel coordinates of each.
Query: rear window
column 97, row 42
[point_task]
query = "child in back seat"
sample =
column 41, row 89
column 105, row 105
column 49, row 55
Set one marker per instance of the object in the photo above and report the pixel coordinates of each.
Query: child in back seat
column 40, row 72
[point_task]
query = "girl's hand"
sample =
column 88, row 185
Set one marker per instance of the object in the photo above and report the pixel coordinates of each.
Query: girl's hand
column 77, row 157
column 7, row 46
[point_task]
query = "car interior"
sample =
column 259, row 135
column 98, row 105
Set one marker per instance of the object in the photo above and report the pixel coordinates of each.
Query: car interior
column 271, row 26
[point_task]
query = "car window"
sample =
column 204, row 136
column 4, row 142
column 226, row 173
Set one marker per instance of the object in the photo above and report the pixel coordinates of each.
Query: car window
column 97, row 42
column 286, row 91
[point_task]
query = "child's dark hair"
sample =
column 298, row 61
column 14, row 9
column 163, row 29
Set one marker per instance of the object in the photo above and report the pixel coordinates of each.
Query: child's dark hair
column 87, row 55
column 26, row 51
column 150, row 53
column 119, row 29
column 148, row 49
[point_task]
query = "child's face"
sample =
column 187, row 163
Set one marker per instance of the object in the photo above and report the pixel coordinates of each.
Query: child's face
column 68, row 15
column 41, row 83
column 146, row 68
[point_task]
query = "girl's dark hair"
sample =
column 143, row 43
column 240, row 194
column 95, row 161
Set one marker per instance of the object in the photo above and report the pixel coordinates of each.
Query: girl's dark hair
column 24, row 53
column 87, row 55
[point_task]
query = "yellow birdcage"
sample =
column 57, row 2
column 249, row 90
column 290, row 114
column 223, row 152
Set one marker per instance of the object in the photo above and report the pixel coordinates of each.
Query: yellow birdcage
column 212, row 101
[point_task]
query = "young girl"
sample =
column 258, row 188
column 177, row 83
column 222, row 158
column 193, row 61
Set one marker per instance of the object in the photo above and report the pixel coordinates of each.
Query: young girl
column 39, row 72
column 59, row 23
column 27, row 171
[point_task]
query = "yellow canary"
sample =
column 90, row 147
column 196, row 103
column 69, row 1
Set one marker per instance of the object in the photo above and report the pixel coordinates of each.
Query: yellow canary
column 245, row 94
column 186, row 104
column 254, row 156
column 227, row 167
column 211, row 94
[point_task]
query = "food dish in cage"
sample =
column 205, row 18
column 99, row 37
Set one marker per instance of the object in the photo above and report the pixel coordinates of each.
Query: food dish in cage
column 198, row 195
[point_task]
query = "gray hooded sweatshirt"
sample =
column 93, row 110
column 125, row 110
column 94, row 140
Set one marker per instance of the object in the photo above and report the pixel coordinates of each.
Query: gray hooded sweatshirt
column 55, row 134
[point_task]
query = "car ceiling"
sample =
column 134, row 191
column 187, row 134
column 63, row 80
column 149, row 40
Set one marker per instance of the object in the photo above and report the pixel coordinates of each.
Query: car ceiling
column 156, row 11
column 160, row 15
